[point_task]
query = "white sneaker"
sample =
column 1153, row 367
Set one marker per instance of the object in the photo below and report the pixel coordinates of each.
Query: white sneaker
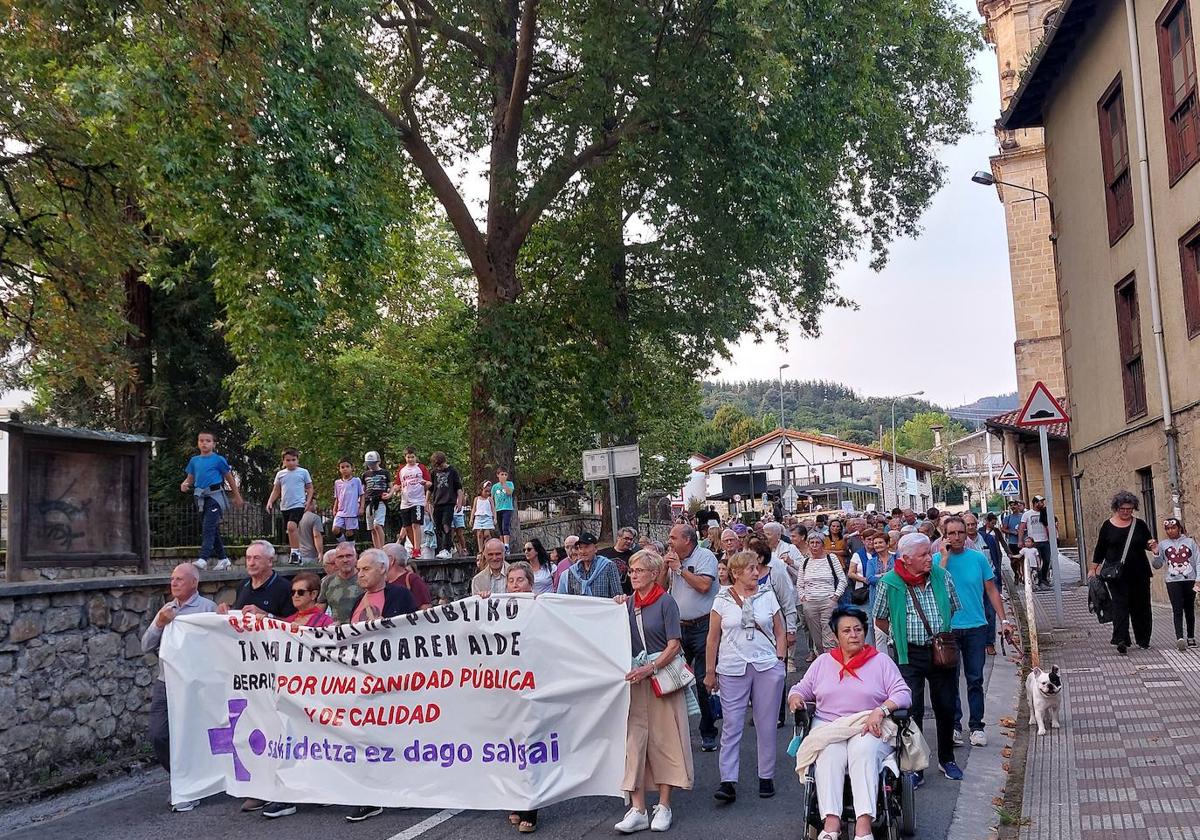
column 224, row 564
column 958, row 738
column 635, row 820
column 978, row 738
column 183, row 807
column 200, row 564
column 662, row 818
column 444, row 554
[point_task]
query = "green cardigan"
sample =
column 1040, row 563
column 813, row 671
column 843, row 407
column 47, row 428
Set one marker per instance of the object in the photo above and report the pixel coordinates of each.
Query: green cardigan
column 897, row 600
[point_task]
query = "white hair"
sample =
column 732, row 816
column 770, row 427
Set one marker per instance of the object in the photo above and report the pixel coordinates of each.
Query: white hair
column 377, row 556
column 265, row 545
column 910, row 542
column 774, row 528
column 397, row 552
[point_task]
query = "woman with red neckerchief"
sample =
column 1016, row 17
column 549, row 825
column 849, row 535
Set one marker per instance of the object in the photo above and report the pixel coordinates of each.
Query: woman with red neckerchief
column 848, row 682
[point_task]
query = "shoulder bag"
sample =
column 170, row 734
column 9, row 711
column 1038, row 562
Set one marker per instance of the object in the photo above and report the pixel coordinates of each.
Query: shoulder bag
column 861, row 593
column 672, row 676
column 945, row 645
column 1109, row 572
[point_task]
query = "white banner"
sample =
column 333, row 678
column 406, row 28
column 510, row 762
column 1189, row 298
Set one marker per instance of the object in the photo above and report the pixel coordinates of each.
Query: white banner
column 507, row 703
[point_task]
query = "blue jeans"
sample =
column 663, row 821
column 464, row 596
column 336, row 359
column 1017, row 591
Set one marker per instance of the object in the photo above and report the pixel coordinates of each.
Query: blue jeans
column 972, row 654
column 211, row 546
column 694, row 637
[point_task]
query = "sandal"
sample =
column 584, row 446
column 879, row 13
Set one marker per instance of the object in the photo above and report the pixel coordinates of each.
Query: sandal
column 513, row 818
column 527, row 827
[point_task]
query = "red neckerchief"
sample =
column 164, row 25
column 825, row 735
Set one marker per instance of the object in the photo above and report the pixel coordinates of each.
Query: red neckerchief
column 908, row 577
column 653, row 595
column 306, row 615
column 857, row 661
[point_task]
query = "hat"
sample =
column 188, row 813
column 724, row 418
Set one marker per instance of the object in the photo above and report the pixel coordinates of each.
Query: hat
column 740, row 529
column 371, row 457
column 1039, row 498
column 586, row 538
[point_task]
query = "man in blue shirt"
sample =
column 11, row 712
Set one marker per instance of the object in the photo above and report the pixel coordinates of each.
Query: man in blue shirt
column 974, row 581
column 207, row 475
column 1010, row 526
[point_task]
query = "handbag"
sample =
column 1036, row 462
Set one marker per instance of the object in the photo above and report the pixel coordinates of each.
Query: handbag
column 1109, row 573
column 672, row 676
column 944, row 645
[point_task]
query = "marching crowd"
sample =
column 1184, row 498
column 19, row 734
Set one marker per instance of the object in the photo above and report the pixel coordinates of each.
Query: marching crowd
column 876, row 610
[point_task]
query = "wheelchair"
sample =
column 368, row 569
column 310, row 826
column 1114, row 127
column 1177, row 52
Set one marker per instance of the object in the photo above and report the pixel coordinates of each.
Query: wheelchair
column 895, row 814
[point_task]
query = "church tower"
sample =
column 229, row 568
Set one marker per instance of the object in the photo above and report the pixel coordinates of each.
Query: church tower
column 1015, row 29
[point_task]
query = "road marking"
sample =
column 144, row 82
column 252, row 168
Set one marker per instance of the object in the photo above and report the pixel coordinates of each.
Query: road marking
column 426, row 824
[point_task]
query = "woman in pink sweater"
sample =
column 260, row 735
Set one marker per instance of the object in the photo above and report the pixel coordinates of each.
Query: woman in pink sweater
column 848, row 680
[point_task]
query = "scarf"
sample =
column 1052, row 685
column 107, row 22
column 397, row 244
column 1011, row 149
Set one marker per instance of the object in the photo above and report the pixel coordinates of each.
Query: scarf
column 907, row 576
column 585, row 583
column 653, row 595
column 855, row 662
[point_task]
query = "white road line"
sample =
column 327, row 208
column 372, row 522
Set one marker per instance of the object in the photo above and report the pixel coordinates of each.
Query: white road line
column 426, row 824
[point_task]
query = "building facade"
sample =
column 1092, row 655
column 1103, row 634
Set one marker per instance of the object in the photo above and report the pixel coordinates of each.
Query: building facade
column 1014, row 28
column 1122, row 138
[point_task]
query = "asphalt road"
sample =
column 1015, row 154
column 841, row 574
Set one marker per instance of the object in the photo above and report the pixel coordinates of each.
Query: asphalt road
column 143, row 814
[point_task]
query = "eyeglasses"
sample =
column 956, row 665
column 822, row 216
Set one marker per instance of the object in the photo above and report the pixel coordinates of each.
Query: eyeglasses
column 636, row 571
column 1126, row 509
column 296, row 592
column 529, row 548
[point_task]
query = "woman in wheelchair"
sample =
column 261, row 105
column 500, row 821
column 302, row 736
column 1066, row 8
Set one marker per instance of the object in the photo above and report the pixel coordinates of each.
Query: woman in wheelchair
column 855, row 690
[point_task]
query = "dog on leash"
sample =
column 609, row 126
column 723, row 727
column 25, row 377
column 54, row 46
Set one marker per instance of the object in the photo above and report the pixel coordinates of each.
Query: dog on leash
column 1043, row 690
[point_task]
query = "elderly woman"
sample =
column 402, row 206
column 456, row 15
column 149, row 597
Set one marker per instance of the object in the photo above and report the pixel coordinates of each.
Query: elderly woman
column 305, row 589
column 1120, row 558
column 747, row 625
column 850, row 680
column 819, row 584
column 658, row 746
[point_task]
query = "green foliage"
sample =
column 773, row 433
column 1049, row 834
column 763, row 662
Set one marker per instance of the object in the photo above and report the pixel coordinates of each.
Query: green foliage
column 916, row 433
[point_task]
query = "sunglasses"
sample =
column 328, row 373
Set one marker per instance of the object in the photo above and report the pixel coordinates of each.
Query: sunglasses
column 296, row 592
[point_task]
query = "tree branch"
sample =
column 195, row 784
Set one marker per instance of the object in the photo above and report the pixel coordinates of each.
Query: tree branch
column 451, row 32
column 544, row 83
column 527, row 36
column 439, row 182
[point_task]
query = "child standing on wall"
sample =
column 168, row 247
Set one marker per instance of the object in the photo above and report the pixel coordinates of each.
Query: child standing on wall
column 348, row 502
column 483, row 521
column 294, row 489
column 207, row 475
column 502, row 504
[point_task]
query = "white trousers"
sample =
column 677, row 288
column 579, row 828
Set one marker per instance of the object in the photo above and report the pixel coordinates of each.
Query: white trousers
column 863, row 757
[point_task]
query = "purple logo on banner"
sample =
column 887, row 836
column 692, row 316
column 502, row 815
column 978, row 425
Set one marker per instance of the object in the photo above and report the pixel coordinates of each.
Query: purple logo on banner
column 220, row 740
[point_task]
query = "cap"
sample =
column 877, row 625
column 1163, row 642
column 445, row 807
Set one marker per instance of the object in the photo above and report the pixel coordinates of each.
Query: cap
column 371, row 457
column 740, row 529
column 586, row 538
column 1039, row 498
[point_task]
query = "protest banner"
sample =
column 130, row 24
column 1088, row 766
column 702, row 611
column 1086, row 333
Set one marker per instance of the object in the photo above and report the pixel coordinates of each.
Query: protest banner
column 500, row 703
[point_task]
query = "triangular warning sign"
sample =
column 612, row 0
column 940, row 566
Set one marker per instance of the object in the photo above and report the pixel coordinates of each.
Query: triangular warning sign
column 1041, row 409
column 1009, row 471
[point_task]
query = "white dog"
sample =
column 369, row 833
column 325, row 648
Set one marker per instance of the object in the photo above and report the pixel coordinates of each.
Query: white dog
column 1043, row 690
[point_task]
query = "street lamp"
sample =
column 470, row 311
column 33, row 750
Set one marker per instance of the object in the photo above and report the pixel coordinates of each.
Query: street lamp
column 987, row 179
column 783, row 442
column 782, row 367
column 895, row 485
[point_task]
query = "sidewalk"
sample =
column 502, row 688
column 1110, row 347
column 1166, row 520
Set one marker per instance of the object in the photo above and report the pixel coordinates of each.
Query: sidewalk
column 1124, row 764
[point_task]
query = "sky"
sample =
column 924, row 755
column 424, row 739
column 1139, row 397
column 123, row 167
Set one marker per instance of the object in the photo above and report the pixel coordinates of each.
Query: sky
column 958, row 265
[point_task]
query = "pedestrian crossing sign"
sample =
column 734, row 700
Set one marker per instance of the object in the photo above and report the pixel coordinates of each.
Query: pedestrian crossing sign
column 1010, row 487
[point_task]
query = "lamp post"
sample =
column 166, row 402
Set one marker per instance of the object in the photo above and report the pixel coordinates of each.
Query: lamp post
column 783, row 442
column 895, row 484
column 782, row 367
column 987, row 179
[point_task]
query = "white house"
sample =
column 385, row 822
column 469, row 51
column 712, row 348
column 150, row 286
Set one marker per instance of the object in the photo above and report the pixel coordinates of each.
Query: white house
column 823, row 468
column 695, row 488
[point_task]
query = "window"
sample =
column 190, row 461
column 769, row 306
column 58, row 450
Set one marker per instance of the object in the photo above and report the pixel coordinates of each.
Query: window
column 1177, row 71
column 847, row 470
column 1129, row 342
column 1114, row 155
column 1189, row 259
column 921, row 476
column 1149, row 512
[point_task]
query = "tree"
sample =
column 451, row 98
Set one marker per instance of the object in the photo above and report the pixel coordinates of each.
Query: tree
column 916, row 434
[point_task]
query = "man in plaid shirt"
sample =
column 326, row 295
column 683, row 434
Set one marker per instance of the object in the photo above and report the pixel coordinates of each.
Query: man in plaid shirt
column 916, row 579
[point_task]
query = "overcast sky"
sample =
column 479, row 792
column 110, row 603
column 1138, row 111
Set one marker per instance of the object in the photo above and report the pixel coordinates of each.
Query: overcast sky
column 951, row 282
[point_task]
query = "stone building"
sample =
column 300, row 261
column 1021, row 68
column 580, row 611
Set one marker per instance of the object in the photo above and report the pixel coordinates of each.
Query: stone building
column 1015, row 28
column 1122, row 138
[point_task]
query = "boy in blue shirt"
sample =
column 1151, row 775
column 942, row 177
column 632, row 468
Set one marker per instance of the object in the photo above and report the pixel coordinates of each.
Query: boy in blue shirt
column 207, row 475
column 294, row 489
column 502, row 504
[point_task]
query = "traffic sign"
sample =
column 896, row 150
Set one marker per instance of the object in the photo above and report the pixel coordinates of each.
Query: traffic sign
column 1010, row 487
column 1009, row 471
column 1041, row 408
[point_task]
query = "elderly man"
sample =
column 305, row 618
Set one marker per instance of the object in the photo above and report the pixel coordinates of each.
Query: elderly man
column 731, row 543
column 185, row 600
column 401, row 572
column 690, row 574
column 591, row 574
column 620, row 552
column 340, row 591
column 915, row 602
column 566, row 562
column 494, row 576
column 908, row 517
column 264, row 592
column 380, row 599
column 974, row 581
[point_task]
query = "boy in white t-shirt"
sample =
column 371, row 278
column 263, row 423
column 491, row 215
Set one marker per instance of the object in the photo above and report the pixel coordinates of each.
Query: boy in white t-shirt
column 412, row 482
column 293, row 489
